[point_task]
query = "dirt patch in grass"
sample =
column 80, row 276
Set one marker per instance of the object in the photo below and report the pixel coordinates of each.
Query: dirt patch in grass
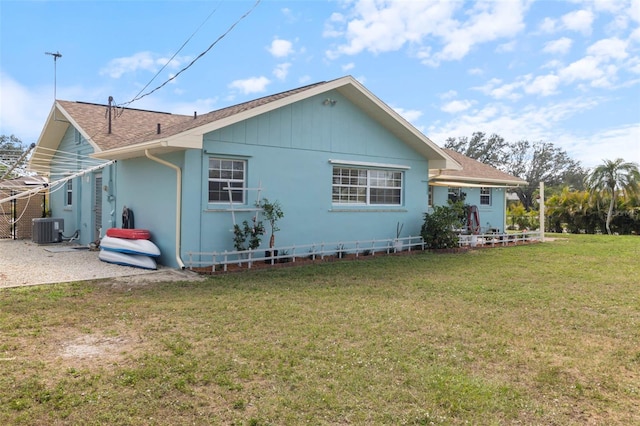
column 92, row 347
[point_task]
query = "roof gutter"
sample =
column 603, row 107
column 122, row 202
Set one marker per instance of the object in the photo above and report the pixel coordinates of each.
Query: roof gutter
column 178, row 202
column 449, row 180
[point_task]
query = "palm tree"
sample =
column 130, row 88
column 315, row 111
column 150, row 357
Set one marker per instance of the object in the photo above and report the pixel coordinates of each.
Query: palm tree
column 611, row 177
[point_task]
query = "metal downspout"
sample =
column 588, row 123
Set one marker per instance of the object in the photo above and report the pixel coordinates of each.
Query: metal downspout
column 178, row 202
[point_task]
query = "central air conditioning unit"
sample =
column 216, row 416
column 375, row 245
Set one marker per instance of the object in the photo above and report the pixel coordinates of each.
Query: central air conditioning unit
column 47, row 230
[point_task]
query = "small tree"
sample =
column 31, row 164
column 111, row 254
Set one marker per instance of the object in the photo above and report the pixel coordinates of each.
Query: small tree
column 272, row 212
column 438, row 228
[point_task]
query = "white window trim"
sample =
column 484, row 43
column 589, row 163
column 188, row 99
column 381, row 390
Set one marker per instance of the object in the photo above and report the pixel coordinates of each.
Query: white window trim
column 368, row 187
column 244, row 181
column 68, row 190
column 365, row 164
column 489, row 195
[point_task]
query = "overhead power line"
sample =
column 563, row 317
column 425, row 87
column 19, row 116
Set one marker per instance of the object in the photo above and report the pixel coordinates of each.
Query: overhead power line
column 174, row 55
column 138, row 97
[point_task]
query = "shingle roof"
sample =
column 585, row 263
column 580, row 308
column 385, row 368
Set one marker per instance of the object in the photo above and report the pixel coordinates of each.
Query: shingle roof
column 131, row 126
column 134, row 132
column 475, row 171
column 128, row 125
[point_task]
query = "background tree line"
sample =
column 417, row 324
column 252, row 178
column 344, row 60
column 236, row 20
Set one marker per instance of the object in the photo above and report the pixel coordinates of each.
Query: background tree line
column 605, row 198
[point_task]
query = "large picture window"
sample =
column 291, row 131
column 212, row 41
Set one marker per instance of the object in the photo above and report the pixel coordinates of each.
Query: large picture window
column 366, row 186
column 227, row 173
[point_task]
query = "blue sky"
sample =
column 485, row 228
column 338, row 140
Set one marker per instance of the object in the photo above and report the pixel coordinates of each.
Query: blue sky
column 566, row 72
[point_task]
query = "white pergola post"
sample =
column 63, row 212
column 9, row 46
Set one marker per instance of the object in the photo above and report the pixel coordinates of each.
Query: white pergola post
column 541, row 208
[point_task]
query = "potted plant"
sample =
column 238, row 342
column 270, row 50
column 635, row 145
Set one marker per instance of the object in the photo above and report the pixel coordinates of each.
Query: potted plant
column 272, row 212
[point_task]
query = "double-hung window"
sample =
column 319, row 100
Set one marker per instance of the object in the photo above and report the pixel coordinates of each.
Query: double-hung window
column 366, row 186
column 68, row 193
column 485, row 196
column 224, row 174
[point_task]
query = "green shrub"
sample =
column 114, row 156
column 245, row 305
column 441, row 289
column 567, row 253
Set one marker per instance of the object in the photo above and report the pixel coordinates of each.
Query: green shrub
column 438, row 228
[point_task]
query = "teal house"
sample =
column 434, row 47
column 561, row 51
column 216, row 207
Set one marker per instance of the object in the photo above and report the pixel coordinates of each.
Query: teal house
column 342, row 164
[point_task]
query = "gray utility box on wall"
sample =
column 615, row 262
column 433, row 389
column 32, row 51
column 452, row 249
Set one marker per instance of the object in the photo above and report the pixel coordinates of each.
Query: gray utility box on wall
column 47, row 230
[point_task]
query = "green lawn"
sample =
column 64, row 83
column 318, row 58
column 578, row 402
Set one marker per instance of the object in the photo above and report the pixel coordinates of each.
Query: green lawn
column 537, row 334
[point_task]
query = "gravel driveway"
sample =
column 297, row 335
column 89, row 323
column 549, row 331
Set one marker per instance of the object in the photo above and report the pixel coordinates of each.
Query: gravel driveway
column 23, row 262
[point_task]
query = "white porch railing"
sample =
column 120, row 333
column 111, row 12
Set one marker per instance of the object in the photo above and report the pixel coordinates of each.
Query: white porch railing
column 498, row 239
column 219, row 261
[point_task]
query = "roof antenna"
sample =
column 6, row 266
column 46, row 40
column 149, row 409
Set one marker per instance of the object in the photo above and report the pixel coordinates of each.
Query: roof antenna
column 55, row 72
column 55, row 61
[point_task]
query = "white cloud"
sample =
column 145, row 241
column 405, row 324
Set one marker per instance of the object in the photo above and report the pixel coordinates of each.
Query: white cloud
column 553, row 64
column 497, row 20
column 348, row 67
column 497, row 90
column 613, row 48
column 200, row 106
column 507, row 91
column 579, row 20
column 634, row 65
column 609, row 144
column 250, row 85
column 618, row 24
column 288, row 15
column 280, row 48
column 383, row 26
column 587, row 68
column 23, row 110
column 455, row 107
column 560, row 46
column 548, row 25
column 608, row 5
column 282, row 70
column 543, row 85
column 330, row 30
column 146, row 61
column 411, row 115
column 475, row 71
column 634, row 10
column 449, row 94
column 506, row 47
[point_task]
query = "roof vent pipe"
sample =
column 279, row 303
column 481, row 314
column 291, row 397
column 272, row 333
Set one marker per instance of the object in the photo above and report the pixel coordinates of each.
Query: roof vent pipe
column 158, row 128
column 109, row 113
column 195, row 114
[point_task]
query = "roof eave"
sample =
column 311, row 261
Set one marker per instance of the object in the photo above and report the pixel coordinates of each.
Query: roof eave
column 48, row 141
column 158, row 146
